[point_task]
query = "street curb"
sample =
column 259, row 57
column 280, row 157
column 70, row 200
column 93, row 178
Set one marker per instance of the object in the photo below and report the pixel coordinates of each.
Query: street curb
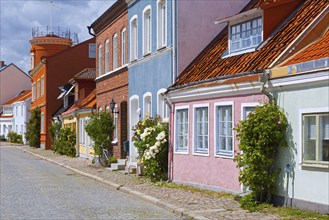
column 150, row 199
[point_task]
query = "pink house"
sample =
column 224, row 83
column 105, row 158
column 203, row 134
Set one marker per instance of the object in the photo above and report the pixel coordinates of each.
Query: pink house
column 223, row 85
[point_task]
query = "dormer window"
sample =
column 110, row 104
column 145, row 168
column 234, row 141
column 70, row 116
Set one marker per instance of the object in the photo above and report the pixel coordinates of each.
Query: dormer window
column 246, row 35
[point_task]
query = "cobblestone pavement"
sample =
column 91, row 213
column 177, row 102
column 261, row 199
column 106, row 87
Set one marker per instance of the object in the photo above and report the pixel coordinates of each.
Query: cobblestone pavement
column 191, row 204
column 31, row 188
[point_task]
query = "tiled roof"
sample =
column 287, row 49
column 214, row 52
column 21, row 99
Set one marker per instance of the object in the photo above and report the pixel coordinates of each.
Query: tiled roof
column 6, row 116
column 21, row 97
column 88, row 73
column 210, row 65
column 70, row 110
column 317, row 50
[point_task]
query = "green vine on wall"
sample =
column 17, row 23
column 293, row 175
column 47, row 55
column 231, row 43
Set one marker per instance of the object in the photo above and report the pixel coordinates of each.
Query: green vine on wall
column 33, row 127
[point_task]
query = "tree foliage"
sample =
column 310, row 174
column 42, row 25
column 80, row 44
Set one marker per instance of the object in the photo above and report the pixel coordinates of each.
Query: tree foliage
column 260, row 136
column 33, row 127
column 100, row 129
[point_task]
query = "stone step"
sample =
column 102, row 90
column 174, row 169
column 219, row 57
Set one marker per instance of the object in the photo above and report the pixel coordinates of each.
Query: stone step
column 117, row 166
column 121, row 161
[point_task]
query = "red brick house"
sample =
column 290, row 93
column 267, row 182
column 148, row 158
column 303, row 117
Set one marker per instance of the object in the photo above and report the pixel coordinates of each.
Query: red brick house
column 111, row 69
column 54, row 61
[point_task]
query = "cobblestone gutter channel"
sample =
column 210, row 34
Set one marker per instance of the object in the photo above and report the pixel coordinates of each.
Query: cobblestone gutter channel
column 189, row 205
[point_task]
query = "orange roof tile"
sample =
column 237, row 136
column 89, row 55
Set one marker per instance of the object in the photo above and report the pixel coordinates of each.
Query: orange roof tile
column 21, row 97
column 317, row 50
column 210, row 65
column 6, row 116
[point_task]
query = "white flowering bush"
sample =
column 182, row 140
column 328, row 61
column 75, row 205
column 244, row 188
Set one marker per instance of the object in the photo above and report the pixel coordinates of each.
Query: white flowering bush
column 151, row 140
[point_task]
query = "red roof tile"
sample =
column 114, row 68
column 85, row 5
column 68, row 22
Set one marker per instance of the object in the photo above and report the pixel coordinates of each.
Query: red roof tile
column 21, row 97
column 316, row 50
column 210, row 65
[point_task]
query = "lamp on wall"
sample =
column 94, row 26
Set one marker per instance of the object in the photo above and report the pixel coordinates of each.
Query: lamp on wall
column 112, row 106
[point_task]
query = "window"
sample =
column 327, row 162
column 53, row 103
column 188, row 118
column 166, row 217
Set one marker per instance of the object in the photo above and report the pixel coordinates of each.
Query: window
column 92, row 50
column 38, row 89
column 224, row 130
column 22, row 108
column 133, row 39
column 123, row 46
column 42, row 123
column 162, row 20
column 34, row 92
column 107, row 108
column 316, row 138
column 147, row 30
column 147, row 104
column 246, row 35
column 100, row 109
column 32, row 60
column 42, row 86
column 82, row 131
column 201, row 130
column 115, row 51
column 100, row 71
column 181, row 130
column 16, row 111
column 163, row 109
column 115, row 121
column 107, row 57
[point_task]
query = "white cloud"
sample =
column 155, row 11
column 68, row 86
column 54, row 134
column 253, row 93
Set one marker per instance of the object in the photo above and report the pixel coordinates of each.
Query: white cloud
column 17, row 18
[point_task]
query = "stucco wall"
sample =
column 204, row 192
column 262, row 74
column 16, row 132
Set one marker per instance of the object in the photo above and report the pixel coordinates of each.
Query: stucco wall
column 308, row 184
column 212, row 171
column 9, row 89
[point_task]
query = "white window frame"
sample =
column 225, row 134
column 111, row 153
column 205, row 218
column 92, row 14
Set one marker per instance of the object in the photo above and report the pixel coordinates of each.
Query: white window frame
column 161, row 24
column 107, row 108
column 181, row 150
column 38, row 89
column 115, row 121
column 100, row 109
column 115, row 60
column 22, row 110
column 302, row 113
column 162, row 108
column 239, row 22
column 218, row 154
column 194, row 151
column 147, row 30
column 246, row 105
column 42, row 86
column 123, row 46
column 32, row 60
column 100, row 57
column 133, row 38
column 145, row 96
column 107, row 56
column 82, row 132
column 42, row 123
column 92, row 50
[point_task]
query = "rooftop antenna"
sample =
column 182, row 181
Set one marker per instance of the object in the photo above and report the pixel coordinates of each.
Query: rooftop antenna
column 52, row 5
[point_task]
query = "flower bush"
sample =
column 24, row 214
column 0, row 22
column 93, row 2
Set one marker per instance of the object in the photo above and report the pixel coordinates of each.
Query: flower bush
column 151, row 140
column 261, row 135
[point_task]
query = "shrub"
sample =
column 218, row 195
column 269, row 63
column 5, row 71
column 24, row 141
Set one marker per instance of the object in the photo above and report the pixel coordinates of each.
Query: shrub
column 150, row 138
column 100, row 129
column 113, row 160
column 54, row 131
column 33, row 127
column 13, row 137
column 261, row 135
column 65, row 143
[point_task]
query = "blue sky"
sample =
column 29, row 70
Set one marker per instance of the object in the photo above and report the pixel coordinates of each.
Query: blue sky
column 18, row 17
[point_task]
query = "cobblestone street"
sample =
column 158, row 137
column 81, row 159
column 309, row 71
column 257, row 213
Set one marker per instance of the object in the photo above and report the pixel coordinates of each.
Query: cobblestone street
column 188, row 204
column 32, row 188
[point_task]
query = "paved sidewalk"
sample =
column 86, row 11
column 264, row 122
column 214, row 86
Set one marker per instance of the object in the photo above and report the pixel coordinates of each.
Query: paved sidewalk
column 191, row 205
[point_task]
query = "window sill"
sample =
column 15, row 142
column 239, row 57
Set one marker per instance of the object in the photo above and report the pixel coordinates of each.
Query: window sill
column 181, row 152
column 162, row 48
column 232, row 54
column 147, row 54
column 224, row 156
column 115, row 142
column 199, row 153
column 315, row 165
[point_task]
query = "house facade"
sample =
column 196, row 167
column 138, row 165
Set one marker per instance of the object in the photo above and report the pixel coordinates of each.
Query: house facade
column 224, row 84
column 15, row 114
column 11, row 73
column 150, row 60
column 54, row 61
column 301, row 86
column 111, row 30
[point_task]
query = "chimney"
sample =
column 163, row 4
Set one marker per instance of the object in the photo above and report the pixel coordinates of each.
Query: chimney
column 2, row 63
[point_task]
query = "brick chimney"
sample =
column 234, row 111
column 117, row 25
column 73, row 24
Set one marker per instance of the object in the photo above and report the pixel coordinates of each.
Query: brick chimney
column 2, row 63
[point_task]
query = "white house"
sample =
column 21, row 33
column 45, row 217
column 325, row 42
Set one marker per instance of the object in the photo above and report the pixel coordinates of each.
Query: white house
column 15, row 114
